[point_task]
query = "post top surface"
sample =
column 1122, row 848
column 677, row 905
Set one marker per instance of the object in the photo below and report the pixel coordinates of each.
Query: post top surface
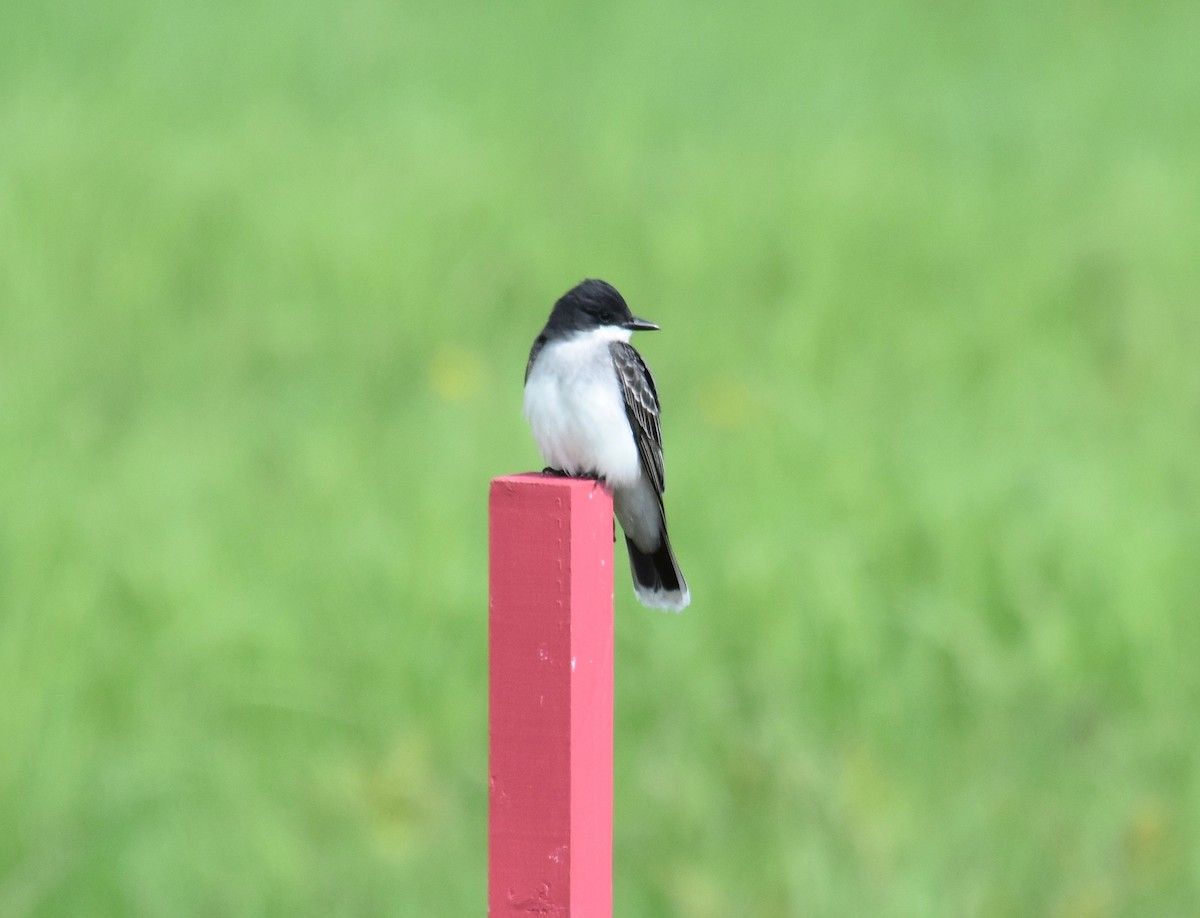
column 537, row 480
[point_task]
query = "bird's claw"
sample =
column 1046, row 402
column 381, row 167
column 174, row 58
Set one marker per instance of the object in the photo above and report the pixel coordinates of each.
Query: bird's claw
column 594, row 477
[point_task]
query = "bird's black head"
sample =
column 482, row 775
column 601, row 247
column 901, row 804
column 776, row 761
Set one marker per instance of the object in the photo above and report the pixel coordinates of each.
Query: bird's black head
column 593, row 304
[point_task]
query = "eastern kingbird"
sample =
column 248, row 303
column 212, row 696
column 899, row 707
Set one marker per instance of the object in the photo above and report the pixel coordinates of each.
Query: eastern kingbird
column 591, row 402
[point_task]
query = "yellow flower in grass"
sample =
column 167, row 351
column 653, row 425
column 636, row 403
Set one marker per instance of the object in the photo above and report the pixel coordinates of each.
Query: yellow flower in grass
column 725, row 402
column 455, row 373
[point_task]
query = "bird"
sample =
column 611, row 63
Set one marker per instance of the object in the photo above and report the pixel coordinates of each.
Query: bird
column 593, row 409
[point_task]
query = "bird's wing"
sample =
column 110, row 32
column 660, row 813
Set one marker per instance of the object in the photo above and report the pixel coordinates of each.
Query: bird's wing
column 641, row 407
column 538, row 344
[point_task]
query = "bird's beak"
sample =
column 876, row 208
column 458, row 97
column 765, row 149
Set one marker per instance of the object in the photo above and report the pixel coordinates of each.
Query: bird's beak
column 636, row 324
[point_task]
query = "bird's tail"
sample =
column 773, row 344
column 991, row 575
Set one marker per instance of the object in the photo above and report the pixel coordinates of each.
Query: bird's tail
column 657, row 579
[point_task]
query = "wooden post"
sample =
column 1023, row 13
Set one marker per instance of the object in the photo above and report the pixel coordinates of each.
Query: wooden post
column 550, row 698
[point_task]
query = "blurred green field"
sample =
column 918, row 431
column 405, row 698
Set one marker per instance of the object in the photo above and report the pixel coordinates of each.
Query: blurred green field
column 929, row 279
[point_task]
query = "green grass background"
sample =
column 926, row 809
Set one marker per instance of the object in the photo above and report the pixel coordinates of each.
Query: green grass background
column 929, row 282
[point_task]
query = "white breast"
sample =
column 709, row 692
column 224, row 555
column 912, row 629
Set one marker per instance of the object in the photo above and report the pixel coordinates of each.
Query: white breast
column 573, row 403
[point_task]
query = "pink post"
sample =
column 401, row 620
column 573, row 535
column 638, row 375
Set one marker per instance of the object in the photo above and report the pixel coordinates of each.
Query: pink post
column 550, row 692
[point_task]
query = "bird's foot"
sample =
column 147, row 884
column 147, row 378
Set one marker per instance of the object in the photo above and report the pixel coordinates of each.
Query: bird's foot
column 583, row 476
